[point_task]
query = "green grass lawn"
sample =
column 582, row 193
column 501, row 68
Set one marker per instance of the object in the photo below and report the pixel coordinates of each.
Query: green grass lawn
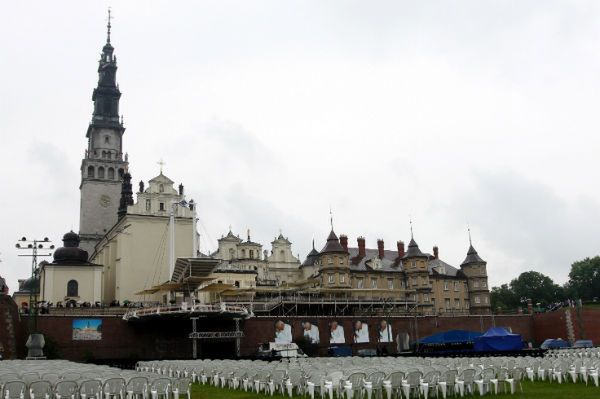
column 531, row 390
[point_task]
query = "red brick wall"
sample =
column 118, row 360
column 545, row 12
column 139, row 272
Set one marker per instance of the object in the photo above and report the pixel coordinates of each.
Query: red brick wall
column 10, row 328
column 553, row 325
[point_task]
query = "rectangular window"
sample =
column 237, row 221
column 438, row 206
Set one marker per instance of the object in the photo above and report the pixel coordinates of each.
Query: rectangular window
column 148, row 205
column 342, row 278
column 425, row 297
column 390, row 284
column 445, row 286
column 433, row 302
column 251, row 254
column 331, row 278
column 467, row 305
column 373, row 283
column 486, row 300
column 483, row 284
column 447, row 303
column 359, row 283
column 477, row 299
column 476, row 284
column 457, row 303
column 413, row 264
column 413, row 281
column 161, row 206
column 456, row 286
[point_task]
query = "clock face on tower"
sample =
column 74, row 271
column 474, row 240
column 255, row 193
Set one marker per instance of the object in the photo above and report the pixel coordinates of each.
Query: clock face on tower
column 104, row 201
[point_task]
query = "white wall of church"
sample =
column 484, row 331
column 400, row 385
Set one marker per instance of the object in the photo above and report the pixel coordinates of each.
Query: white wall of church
column 54, row 280
column 136, row 258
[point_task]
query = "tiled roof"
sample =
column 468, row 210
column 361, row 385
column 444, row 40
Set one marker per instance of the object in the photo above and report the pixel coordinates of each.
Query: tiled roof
column 472, row 257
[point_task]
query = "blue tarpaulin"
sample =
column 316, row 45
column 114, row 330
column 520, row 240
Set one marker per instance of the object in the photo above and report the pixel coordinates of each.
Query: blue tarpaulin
column 498, row 339
column 450, row 337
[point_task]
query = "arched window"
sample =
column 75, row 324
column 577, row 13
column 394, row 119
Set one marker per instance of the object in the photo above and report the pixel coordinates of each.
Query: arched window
column 107, row 139
column 231, row 255
column 161, row 189
column 91, row 172
column 103, row 154
column 101, row 172
column 72, row 288
column 109, row 155
column 121, row 171
column 111, row 173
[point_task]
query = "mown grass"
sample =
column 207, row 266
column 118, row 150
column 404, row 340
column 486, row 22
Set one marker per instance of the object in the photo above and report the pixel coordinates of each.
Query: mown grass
column 536, row 390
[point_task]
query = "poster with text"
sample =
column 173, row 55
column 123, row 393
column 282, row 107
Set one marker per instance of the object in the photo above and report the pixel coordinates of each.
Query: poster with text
column 87, row 329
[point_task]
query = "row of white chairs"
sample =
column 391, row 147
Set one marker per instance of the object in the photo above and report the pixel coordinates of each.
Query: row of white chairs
column 62, row 379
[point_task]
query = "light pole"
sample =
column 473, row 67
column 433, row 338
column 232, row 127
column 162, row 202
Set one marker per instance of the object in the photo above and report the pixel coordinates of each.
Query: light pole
column 35, row 342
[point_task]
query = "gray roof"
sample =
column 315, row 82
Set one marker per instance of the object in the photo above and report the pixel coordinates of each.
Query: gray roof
column 434, row 266
column 333, row 245
column 413, row 250
column 472, row 257
column 389, row 263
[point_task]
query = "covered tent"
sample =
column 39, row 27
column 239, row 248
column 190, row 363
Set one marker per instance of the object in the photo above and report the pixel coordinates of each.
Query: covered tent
column 450, row 337
column 498, row 339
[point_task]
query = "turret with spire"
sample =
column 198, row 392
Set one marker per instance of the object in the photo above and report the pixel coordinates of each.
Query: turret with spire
column 475, row 269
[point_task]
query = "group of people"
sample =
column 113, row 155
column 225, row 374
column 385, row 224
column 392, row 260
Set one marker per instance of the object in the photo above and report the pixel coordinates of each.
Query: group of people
column 310, row 332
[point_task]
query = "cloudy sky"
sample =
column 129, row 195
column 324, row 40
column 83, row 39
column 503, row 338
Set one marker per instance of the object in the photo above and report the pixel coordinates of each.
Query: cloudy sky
column 450, row 113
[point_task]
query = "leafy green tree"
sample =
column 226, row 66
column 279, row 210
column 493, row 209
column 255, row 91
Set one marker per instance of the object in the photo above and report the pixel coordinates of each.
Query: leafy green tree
column 503, row 298
column 584, row 278
column 529, row 285
column 537, row 287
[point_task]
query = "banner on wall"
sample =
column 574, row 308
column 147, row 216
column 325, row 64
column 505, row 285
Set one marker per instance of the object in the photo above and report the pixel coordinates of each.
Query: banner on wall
column 283, row 332
column 384, row 332
column 336, row 333
column 310, row 332
column 87, row 329
column 361, row 332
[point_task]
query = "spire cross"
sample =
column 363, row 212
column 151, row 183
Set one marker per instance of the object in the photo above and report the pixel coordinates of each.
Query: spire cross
column 331, row 217
column 161, row 163
column 108, row 26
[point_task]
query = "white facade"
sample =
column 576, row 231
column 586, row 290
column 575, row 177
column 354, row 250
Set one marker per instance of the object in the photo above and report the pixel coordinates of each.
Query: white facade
column 136, row 251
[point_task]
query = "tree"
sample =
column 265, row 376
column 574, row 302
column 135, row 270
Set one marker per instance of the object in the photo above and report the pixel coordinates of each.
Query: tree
column 537, row 287
column 503, row 297
column 529, row 285
column 584, row 278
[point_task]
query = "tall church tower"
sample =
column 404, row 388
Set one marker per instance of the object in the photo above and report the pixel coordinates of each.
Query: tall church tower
column 104, row 164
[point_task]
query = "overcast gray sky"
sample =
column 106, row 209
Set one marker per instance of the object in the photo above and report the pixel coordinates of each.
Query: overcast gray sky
column 452, row 113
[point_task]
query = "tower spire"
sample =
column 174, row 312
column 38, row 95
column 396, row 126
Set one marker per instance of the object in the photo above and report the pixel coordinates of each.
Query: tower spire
column 469, row 230
column 108, row 26
column 331, row 217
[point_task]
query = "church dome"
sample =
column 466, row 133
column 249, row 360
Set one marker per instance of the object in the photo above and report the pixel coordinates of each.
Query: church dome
column 70, row 252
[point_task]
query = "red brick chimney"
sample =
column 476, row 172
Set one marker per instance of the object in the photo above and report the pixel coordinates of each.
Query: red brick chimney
column 362, row 252
column 380, row 248
column 435, row 252
column 344, row 242
column 400, row 249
